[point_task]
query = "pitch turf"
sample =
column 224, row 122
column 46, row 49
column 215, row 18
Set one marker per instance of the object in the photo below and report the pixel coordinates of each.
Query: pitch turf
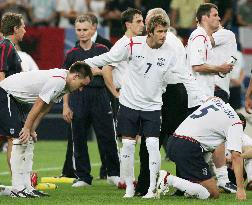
column 48, row 160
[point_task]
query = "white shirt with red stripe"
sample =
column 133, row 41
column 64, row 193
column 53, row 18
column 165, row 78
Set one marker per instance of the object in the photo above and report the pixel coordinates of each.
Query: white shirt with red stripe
column 49, row 85
column 225, row 47
column 147, row 67
column 212, row 124
column 199, row 51
column 181, row 74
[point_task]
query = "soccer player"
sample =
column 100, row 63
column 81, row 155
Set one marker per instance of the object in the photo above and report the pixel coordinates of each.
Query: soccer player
column 200, row 133
column 181, row 93
column 90, row 106
column 140, row 98
column 41, row 88
column 13, row 29
column 201, row 60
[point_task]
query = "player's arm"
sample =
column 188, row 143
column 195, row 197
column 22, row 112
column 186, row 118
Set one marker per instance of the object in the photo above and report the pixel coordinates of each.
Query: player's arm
column 118, row 53
column 39, row 109
column 108, row 79
column 237, row 162
column 2, row 75
column 67, row 112
column 207, row 68
column 248, row 101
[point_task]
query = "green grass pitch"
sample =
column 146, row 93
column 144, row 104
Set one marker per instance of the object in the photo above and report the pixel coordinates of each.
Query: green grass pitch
column 48, row 161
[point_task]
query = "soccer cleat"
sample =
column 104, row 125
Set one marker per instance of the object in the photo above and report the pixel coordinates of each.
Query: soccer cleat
column 228, row 187
column 79, row 183
column 40, row 193
column 24, row 193
column 4, row 190
column 114, row 180
column 162, row 183
column 129, row 193
column 249, row 186
column 151, row 195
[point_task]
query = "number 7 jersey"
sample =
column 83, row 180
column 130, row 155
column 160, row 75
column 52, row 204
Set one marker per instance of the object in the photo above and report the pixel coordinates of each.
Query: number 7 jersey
column 147, row 71
column 212, row 124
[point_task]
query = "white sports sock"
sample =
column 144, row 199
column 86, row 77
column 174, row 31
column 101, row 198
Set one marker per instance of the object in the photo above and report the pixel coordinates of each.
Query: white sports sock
column 17, row 164
column 222, row 175
column 127, row 161
column 248, row 168
column 192, row 189
column 28, row 165
column 152, row 144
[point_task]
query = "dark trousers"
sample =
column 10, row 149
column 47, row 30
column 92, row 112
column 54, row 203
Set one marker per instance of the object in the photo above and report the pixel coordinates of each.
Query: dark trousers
column 174, row 111
column 218, row 92
column 92, row 106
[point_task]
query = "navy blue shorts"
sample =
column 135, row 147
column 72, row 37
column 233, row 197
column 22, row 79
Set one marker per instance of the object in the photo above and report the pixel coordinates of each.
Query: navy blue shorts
column 12, row 115
column 131, row 122
column 189, row 159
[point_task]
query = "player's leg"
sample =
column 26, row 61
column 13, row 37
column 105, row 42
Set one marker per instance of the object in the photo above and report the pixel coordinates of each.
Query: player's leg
column 128, row 126
column 189, row 159
column 150, row 122
column 248, row 168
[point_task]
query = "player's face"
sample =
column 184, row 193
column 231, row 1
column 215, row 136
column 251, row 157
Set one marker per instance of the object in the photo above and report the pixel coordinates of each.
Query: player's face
column 78, row 82
column 84, row 31
column 159, row 35
column 137, row 25
column 213, row 19
column 19, row 31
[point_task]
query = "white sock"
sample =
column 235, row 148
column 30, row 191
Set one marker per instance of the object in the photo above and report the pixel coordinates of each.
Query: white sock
column 192, row 189
column 28, row 165
column 248, row 168
column 17, row 164
column 152, row 144
column 127, row 161
column 222, row 175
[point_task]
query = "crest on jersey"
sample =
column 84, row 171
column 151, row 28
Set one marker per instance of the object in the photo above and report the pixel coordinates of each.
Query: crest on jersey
column 12, row 131
column 160, row 61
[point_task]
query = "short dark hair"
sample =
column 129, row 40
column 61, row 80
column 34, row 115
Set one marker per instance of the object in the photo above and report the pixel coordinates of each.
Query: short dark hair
column 81, row 68
column 92, row 17
column 83, row 18
column 243, row 119
column 9, row 21
column 155, row 21
column 128, row 15
column 204, row 9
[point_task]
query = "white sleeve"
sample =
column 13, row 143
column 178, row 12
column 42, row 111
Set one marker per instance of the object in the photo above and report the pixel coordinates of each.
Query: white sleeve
column 197, row 51
column 172, row 66
column 52, row 90
column 223, row 36
column 119, row 52
column 234, row 138
column 246, row 140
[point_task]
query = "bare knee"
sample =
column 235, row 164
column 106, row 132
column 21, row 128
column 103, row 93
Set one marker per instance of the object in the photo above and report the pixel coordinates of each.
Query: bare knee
column 211, row 186
column 214, row 194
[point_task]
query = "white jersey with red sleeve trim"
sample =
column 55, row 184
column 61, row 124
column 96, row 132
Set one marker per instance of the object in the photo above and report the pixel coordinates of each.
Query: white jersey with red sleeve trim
column 199, row 51
column 147, row 68
column 225, row 47
column 212, row 124
column 49, row 85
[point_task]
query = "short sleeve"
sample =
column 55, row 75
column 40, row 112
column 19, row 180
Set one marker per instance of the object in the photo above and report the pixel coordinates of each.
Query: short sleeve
column 234, row 138
column 198, row 51
column 52, row 90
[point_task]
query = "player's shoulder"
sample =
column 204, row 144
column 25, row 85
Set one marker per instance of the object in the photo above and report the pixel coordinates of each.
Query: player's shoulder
column 100, row 47
column 72, row 50
column 198, row 34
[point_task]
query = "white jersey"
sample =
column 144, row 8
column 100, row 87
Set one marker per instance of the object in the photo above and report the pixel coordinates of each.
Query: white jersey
column 246, row 140
column 27, row 63
column 49, row 85
column 212, row 124
column 199, row 51
column 181, row 74
column 147, row 69
column 225, row 47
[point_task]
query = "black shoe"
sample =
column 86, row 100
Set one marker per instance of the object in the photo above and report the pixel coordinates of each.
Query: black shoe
column 229, row 187
column 178, row 193
column 40, row 193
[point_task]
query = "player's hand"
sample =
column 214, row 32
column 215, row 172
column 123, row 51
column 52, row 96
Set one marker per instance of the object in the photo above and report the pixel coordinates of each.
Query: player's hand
column 34, row 136
column 226, row 68
column 241, row 194
column 67, row 114
column 24, row 135
column 248, row 105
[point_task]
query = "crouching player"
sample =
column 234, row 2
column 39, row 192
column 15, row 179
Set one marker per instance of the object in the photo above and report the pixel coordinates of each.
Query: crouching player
column 246, row 155
column 41, row 88
column 205, row 129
